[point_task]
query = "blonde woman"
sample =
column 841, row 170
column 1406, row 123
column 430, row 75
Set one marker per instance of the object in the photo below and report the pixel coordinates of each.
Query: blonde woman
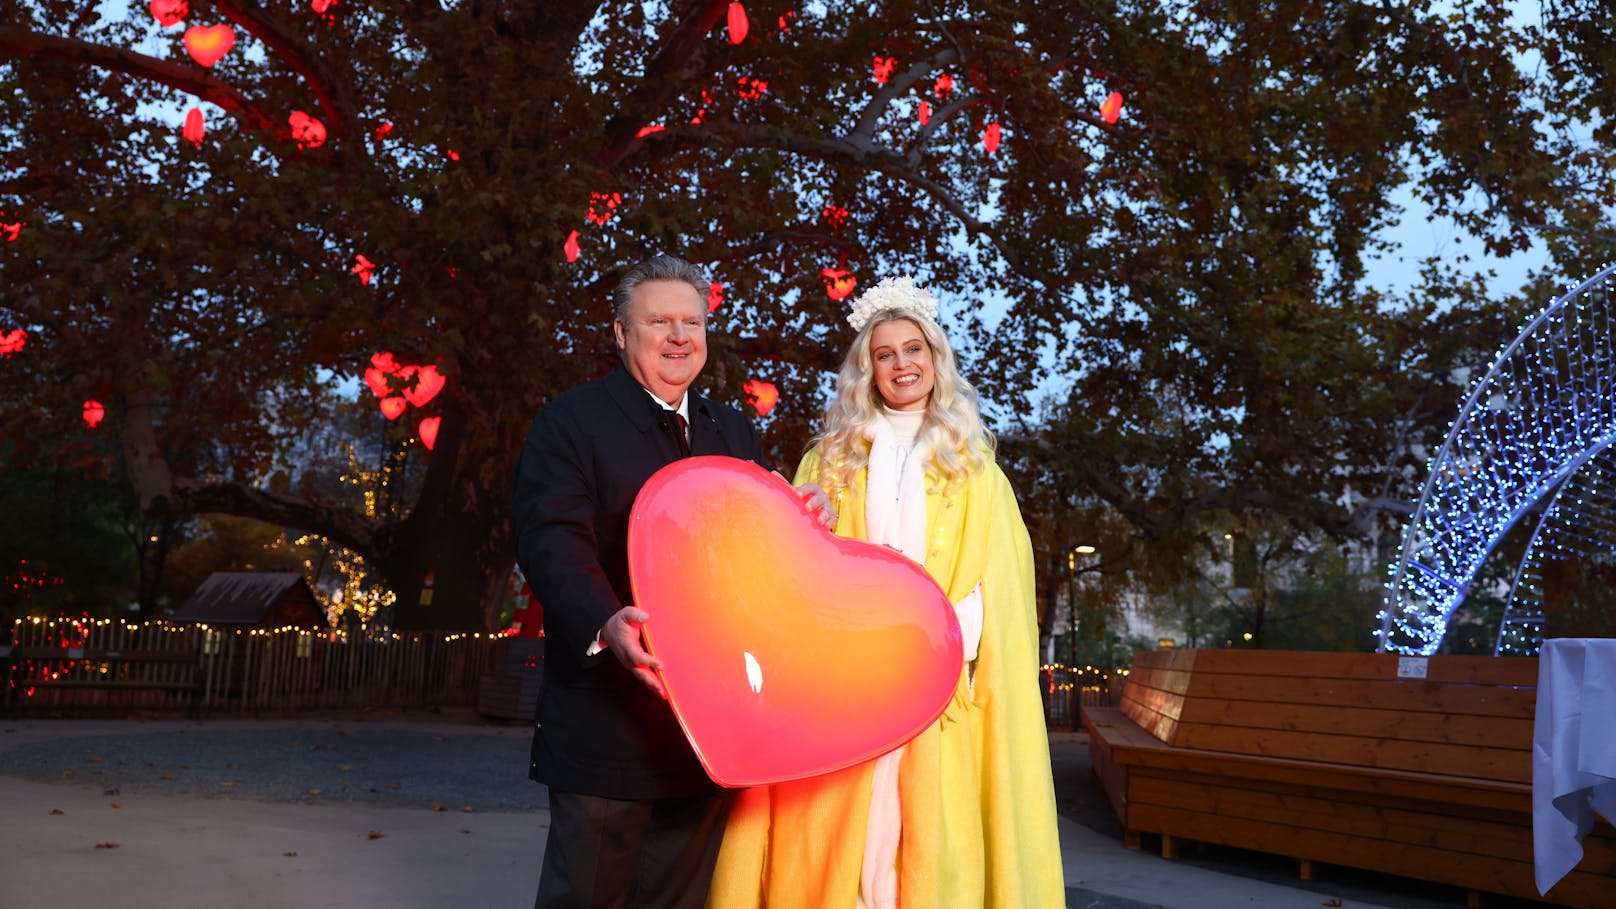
column 964, row 814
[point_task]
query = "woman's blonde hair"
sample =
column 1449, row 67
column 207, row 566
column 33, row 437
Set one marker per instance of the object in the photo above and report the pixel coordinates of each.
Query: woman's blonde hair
column 952, row 430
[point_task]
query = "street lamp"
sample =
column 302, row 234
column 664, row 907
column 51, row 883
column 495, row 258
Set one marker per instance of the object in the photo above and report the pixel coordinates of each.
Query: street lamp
column 1071, row 597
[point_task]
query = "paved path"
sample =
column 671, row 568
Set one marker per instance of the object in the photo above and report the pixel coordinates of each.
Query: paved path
column 407, row 812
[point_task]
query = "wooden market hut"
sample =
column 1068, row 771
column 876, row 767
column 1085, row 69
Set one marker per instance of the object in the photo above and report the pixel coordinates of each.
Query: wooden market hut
column 252, row 599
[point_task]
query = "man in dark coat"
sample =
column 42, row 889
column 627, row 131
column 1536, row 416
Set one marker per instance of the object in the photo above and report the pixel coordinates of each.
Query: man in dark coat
column 634, row 820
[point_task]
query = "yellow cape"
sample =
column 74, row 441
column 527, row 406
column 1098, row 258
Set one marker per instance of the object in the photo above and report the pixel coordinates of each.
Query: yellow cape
column 978, row 801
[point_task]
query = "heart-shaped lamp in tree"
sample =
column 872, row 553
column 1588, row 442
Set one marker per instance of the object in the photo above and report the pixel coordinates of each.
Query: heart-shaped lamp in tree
column 207, row 44
column 762, row 395
column 196, row 126
column 393, row 407
column 738, row 24
column 839, row 282
column 93, row 413
column 12, row 341
column 427, row 382
column 787, row 651
column 429, row 431
column 1112, row 108
column 169, row 12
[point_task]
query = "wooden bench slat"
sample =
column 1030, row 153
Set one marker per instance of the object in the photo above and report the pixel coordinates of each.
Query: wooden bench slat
column 1512, row 764
column 1482, row 700
column 1362, row 722
column 1580, row 888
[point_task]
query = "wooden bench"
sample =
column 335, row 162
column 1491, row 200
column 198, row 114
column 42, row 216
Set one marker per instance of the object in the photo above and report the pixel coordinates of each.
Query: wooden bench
column 66, row 677
column 1333, row 758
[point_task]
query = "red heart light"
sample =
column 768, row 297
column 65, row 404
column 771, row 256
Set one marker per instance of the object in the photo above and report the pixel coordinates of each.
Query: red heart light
column 196, row 126
column 427, row 383
column 739, row 25
column 169, row 12
column 602, row 206
column 763, row 395
column 207, row 44
column 571, row 247
column 1112, row 108
column 990, row 138
column 648, row 130
column 93, row 413
column 429, row 432
column 715, row 296
column 923, row 113
column 393, row 407
column 364, row 268
column 12, row 341
column 11, row 230
column 839, row 282
column 883, row 69
column 945, row 84
column 321, row 6
column 787, row 651
column 307, row 131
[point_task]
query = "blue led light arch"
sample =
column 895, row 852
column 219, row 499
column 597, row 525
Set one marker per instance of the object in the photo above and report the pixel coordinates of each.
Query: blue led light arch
column 1580, row 522
column 1545, row 407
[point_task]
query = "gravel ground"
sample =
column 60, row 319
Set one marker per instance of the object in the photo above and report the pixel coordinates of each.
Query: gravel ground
column 457, row 767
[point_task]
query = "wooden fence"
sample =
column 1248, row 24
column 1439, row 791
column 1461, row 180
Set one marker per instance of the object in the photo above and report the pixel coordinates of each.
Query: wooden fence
column 1068, row 690
column 66, row 666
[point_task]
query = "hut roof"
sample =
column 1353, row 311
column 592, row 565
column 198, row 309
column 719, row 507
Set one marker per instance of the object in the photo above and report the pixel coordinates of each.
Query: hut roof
column 244, row 597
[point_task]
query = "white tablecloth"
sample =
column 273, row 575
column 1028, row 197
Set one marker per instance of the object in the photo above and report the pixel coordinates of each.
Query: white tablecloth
column 1573, row 750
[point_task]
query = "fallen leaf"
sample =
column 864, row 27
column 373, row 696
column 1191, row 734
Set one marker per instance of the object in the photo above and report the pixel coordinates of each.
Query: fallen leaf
column 57, row 811
column 226, row 783
column 93, row 759
column 392, row 786
column 230, row 766
column 106, row 845
column 165, row 777
column 314, row 792
column 439, row 738
column 466, row 809
column 465, row 829
column 110, row 792
column 1331, row 902
column 437, row 806
column 345, row 767
column 116, row 805
column 289, row 855
column 185, row 766
column 375, row 834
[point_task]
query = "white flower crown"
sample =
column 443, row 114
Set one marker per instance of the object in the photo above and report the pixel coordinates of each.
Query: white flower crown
column 892, row 293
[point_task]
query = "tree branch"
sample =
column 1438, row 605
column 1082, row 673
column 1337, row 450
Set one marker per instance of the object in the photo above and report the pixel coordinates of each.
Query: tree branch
column 677, row 56
column 891, row 164
column 161, row 491
column 333, row 95
column 20, row 43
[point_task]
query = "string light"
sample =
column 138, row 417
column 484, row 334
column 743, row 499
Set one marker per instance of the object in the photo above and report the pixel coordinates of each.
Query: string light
column 1535, row 418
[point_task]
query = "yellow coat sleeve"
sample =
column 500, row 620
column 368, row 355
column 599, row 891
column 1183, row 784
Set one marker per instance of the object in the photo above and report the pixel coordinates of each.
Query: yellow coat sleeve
column 977, row 796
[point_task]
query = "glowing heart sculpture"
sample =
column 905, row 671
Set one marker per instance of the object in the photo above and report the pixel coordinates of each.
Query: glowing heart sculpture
column 787, row 651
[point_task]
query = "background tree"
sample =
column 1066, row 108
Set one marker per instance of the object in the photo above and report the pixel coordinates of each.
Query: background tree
column 408, row 177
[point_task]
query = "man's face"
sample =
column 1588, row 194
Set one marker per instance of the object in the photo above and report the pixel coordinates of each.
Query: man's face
column 663, row 338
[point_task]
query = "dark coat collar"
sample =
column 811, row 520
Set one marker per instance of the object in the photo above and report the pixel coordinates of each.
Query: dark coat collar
column 636, row 403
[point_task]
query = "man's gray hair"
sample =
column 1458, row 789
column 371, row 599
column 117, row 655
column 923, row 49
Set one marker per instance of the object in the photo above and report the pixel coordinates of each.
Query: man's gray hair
column 656, row 268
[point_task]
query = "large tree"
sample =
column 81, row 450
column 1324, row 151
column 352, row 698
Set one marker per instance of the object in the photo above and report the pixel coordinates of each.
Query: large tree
column 404, row 176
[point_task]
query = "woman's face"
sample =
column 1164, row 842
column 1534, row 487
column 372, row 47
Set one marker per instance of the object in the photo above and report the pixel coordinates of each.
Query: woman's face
column 903, row 369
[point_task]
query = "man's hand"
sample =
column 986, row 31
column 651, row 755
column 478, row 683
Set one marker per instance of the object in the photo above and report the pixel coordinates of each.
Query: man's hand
column 818, row 503
column 624, row 637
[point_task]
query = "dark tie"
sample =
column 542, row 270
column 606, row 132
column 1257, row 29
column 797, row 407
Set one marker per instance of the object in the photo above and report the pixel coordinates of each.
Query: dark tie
column 684, row 434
